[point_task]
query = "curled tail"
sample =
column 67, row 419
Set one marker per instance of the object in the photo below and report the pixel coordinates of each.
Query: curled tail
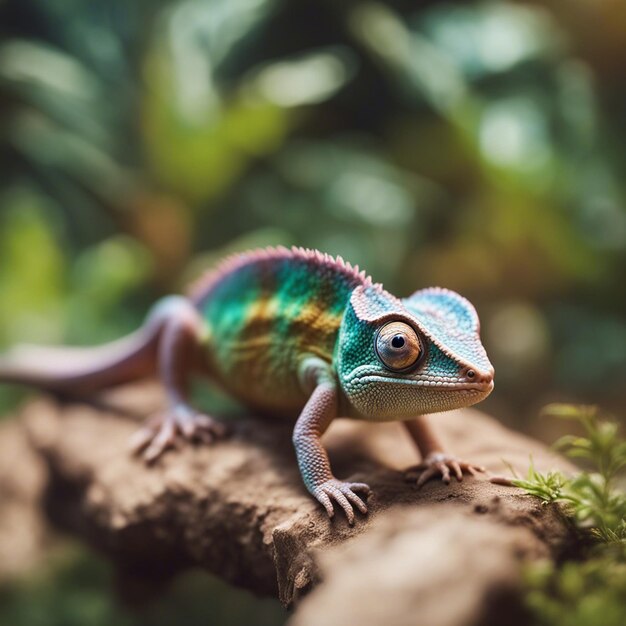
column 171, row 344
column 82, row 370
column 77, row 371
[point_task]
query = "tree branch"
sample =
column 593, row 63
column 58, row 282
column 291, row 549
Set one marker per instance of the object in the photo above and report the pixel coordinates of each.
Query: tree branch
column 451, row 554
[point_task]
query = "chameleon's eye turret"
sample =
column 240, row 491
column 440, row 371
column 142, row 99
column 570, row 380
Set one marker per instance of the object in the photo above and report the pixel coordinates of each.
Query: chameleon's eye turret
column 398, row 346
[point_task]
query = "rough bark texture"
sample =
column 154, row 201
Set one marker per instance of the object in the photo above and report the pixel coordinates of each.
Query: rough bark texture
column 441, row 556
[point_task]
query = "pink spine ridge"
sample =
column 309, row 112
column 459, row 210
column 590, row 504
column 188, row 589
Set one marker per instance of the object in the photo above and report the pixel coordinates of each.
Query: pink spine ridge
column 203, row 286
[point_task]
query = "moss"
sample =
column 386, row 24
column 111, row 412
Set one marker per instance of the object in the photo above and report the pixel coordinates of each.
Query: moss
column 589, row 591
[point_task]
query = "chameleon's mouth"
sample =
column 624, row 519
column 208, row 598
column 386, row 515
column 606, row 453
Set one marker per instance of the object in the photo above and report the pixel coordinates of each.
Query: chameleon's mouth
column 482, row 387
column 390, row 397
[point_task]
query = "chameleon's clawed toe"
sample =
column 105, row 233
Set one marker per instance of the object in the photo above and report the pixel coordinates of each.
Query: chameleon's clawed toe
column 440, row 464
column 165, row 430
column 343, row 494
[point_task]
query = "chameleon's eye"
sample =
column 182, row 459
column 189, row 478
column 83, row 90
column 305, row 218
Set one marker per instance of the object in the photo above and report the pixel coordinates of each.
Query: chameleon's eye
column 398, row 346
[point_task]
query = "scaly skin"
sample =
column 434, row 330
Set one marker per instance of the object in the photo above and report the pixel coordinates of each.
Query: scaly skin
column 263, row 311
column 294, row 332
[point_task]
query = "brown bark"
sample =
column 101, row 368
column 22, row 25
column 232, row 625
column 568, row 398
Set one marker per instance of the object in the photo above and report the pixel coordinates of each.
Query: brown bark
column 450, row 554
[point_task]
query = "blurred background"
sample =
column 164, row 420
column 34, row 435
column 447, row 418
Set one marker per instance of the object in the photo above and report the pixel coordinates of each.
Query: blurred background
column 473, row 145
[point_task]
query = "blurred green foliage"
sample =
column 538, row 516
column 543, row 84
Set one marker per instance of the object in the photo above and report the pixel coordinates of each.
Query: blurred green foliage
column 592, row 498
column 589, row 591
column 475, row 145
column 586, row 593
column 74, row 588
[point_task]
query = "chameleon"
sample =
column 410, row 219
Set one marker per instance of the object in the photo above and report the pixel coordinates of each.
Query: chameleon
column 292, row 333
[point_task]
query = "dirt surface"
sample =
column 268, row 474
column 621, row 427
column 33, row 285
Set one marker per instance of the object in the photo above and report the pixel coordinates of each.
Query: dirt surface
column 451, row 554
column 23, row 532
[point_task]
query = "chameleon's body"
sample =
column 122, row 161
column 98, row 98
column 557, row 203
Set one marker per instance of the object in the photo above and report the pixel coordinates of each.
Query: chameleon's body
column 263, row 312
column 293, row 332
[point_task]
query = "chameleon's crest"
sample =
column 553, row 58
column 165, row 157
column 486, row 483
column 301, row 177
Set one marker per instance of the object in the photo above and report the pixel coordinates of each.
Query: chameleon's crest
column 444, row 317
column 320, row 260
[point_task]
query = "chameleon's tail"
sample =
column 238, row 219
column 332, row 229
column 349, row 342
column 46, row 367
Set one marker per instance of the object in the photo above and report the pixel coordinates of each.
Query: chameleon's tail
column 82, row 370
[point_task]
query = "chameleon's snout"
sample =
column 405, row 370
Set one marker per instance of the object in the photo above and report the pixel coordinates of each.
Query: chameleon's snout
column 482, row 380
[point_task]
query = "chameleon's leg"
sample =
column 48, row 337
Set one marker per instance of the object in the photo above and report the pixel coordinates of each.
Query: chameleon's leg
column 434, row 460
column 319, row 411
column 179, row 354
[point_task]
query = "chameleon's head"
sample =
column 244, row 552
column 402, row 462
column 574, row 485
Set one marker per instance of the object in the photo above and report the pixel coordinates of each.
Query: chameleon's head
column 401, row 358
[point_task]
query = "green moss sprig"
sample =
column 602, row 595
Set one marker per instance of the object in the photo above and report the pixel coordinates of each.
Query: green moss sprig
column 590, row 591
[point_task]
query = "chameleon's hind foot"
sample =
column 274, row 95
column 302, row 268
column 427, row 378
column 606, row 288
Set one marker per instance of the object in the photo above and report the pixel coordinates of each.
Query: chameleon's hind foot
column 438, row 463
column 344, row 494
column 164, row 430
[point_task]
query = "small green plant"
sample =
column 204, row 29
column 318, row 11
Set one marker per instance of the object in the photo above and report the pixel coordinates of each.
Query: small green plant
column 548, row 486
column 590, row 591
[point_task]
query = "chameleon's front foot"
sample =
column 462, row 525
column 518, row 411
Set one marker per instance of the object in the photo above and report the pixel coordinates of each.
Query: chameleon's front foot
column 165, row 429
column 344, row 494
column 439, row 463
